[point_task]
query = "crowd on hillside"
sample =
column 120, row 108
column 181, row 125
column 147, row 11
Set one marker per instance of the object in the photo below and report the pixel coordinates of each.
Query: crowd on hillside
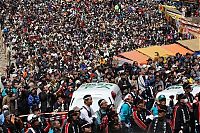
column 188, row 9
column 58, row 45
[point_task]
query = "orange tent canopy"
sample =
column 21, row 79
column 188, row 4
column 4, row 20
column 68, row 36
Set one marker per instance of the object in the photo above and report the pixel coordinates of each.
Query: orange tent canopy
column 176, row 48
column 135, row 56
column 151, row 51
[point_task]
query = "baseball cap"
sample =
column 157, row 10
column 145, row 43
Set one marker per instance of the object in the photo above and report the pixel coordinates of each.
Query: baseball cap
column 161, row 97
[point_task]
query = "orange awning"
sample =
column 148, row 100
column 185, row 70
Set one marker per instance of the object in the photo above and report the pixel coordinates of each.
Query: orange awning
column 176, row 48
column 193, row 44
column 151, row 51
column 135, row 56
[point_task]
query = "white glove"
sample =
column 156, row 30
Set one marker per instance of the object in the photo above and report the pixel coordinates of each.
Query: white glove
column 149, row 117
column 128, row 125
column 181, row 131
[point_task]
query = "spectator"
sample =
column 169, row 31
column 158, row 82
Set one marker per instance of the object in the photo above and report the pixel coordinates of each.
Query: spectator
column 43, row 123
column 55, row 127
column 62, row 45
column 11, row 124
column 44, row 98
column 22, row 102
column 5, row 112
column 10, row 101
column 126, row 113
column 35, row 125
column 72, row 125
column 33, row 99
column 60, row 105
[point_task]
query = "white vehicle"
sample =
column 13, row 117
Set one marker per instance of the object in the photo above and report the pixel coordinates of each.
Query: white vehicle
column 108, row 91
column 176, row 89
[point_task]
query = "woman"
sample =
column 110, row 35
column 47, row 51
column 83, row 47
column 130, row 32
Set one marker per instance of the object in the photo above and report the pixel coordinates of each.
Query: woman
column 12, row 124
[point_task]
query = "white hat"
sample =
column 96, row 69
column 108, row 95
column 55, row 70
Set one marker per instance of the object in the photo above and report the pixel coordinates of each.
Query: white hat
column 174, row 65
column 144, row 66
column 5, row 107
column 62, row 81
column 158, row 68
column 39, row 83
column 78, row 82
column 89, row 68
column 168, row 71
column 127, row 96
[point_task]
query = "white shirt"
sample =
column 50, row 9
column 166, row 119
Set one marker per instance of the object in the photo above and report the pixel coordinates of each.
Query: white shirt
column 84, row 114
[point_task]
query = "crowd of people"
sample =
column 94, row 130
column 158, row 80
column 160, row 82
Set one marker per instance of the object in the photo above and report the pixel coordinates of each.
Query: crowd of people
column 58, row 45
column 189, row 9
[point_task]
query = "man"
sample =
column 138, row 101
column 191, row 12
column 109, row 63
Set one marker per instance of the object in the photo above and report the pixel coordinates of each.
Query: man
column 72, row 125
column 45, row 125
column 141, row 80
column 160, row 124
column 161, row 102
column 148, row 95
column 77, row 111
column 196, row 107
column 33, row 99
column 60, row 105
column 87, row 112
column 187, row 88
column 55, row 127
column 44, row 99
column 10, row 101
column 124, row 83
column 86, row 128
column 102, row 118
column 35, row 124
column 181, row 115
column 142, row 117
column 2, row 115
column 126, row 113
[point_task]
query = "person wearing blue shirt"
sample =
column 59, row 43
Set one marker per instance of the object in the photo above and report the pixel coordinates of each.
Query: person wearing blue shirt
column 4, row 111
column 154, row 110
column 126, row 113
column 33, row 99
column 101, row 114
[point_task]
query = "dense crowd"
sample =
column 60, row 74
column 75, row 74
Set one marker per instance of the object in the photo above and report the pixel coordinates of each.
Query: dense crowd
column 189, row 9
column 58, row 45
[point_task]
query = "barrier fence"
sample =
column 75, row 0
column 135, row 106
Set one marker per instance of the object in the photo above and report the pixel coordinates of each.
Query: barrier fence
column 52, row 116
